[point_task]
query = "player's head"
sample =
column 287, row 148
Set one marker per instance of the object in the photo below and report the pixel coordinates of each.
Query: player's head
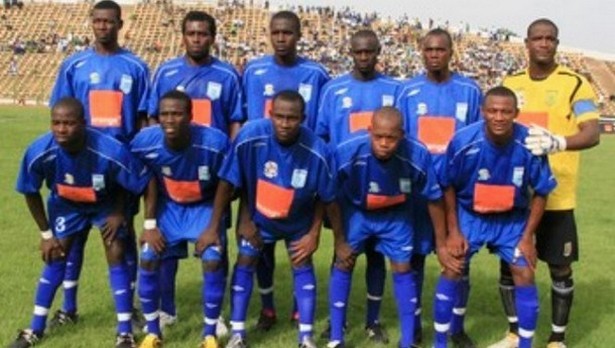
column 284, row 32
column 68, row 123
column 364, row 49
column 386, row 132
column 542, row 41
column 287, row 114
column 175, row 115
column 107, row 21
column 437, row 49
column 499, row 111
column 198, row 34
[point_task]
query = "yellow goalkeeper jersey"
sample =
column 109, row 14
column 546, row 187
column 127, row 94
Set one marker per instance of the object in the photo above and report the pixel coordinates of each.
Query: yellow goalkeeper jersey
column 559, row 103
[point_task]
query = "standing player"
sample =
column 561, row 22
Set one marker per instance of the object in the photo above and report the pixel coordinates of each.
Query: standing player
column 262, row 79
column 185, row 160
column 284, row 174
column 87, row 174
column 112, row 84
column 346, row 106
column 495, row 193
column 560, row 106
column 377, row 174
column 435, row 105
column 215, row 91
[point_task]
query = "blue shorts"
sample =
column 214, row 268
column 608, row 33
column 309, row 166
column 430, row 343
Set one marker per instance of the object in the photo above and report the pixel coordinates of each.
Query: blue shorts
column 183, row 222
column 179, row 250
column 391, row 229
column 424, row 241
column 245, row 248
column 500, row 232
column 67, row 219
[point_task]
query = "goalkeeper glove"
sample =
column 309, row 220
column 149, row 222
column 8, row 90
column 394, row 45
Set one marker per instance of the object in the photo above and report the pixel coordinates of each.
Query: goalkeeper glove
column 542, row 142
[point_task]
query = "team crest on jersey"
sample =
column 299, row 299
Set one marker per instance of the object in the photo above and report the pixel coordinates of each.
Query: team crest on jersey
column 180, row 88
column 346, row 102
column 483, row 174
column 299, row 177
column 461, row 112
column 551, row 98
column 374, row 187
column 269, row 90
column 421, row 109
column 204, row 173
column 126, row 83
column 404, row 185
column 387, row 100
column 271, row 169
column 306, row 91
column 98, row 182
column 214, row 90
column 69, row 179
column 517, row 178
column 94, row 78
column 166, row 170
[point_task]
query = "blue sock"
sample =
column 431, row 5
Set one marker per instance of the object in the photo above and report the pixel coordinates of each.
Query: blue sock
column 375, row 275
column 526, row 302
column 405, row 295
column 443, row 309
column 168, row 273
column 131, row 258
column 74, row 263
column 149, row 294
column 48, row 284
column 241, row 290
column 461, row 302
column 120, row 286
column 339, row 290
column 213, row 293
column 418, row 270
column 305, row 295
column 264, row 276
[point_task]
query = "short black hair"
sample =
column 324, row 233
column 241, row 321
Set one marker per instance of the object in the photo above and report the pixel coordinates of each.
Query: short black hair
column 544, row 21
column 501, row 91
column 200, row 16
column 364, row 33
column 109, row 5
column 440, row 32
column 392, row 112
column 71, row 103
column 179, row 95
column 288, row 15
column 290, row 96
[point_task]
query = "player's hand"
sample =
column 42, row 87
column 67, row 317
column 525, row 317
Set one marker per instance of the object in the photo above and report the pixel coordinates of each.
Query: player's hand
column 51, row 249
column 111, row 226
column 303, row 248
column 250, row 234
column 456, row 244
column 153, row 237
column 449, row 262
column 541, row 141
column 526, row 248
column 207, row 238
column 345, row 255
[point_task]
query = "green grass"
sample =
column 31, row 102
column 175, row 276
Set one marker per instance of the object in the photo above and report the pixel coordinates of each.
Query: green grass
column 20, row 265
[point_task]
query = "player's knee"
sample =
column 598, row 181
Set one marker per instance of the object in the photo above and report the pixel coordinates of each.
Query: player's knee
column 114, row 252
column 305, row 263
column 522, row 276
column 400, row 267
column 343, row 266
column 247, row 260
column 210, row 266
column 560, row 271
column 417, row 262
column 149, row 265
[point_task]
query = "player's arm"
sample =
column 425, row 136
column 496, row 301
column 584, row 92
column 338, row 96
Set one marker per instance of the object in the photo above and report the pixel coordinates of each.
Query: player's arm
column 303, row 248
column 526, row 244
column 49, row 245
column 209, row 236
column 151, row 234
column 587, row 137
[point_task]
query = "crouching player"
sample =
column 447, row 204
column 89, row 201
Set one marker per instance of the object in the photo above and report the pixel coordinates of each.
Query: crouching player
column 377, row 173
column 495, row 194
column 88, row 175
column 185, row 160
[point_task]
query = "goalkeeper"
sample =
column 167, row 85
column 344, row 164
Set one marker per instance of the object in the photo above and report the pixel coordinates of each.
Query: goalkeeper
column 559, row 106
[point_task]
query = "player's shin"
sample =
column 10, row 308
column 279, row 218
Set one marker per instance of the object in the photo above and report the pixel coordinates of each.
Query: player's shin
column 120, row 286
column 375, row 276
column 241, row 290
column 74, row 263
column 527, row 309
column 418, row 269
column 459, row 308
column 562, row 293
column 213, row 293
column 149, row 294
column 507, row 295
column 168, row 273
column 405, row 296
column 48, row 284
column 445, row 295
column 305, row 294
column 339, row 290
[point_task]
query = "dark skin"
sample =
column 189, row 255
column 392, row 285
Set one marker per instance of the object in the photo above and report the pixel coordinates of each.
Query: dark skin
column 437, row 53
column 284, row 35
column 364, row 51
column 106, row 25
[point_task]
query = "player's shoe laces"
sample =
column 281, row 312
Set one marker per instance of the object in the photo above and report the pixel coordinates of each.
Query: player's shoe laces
column 266, row 320
column 151, row 341
column 221, row 328
column 376, row 333
column 236, row 341
column 511, row 340
column 164, row 320
column 556, row 344
column 209, row 342
column 61, row 318
column 462, row 340
column 125, row 340
column 26, row 338
column 308, row 342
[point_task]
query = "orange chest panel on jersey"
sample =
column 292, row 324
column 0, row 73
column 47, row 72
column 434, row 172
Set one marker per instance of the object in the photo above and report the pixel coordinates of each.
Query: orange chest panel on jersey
column 106, row 108
column 436, row 132
column 538, row 118
column 382, row 201
column 273, row 201
column 77, row 193
column 183, row 191
column 268, row 107
column 493, row 198
column 201, row 112
column 359, row 120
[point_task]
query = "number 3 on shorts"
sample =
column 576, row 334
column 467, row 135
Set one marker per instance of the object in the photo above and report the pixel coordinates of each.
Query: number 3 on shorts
column 60, row 224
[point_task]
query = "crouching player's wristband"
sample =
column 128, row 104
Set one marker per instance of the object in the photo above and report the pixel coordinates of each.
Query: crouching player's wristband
column 47, row 234
column 149, row 224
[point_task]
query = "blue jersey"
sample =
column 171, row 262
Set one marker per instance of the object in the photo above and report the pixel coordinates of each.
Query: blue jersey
column 282, row 183
column 263, row 78
column 214, row 88
column 85, row 180
column 494, row 179
column 112, row 88
column 368, row 183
